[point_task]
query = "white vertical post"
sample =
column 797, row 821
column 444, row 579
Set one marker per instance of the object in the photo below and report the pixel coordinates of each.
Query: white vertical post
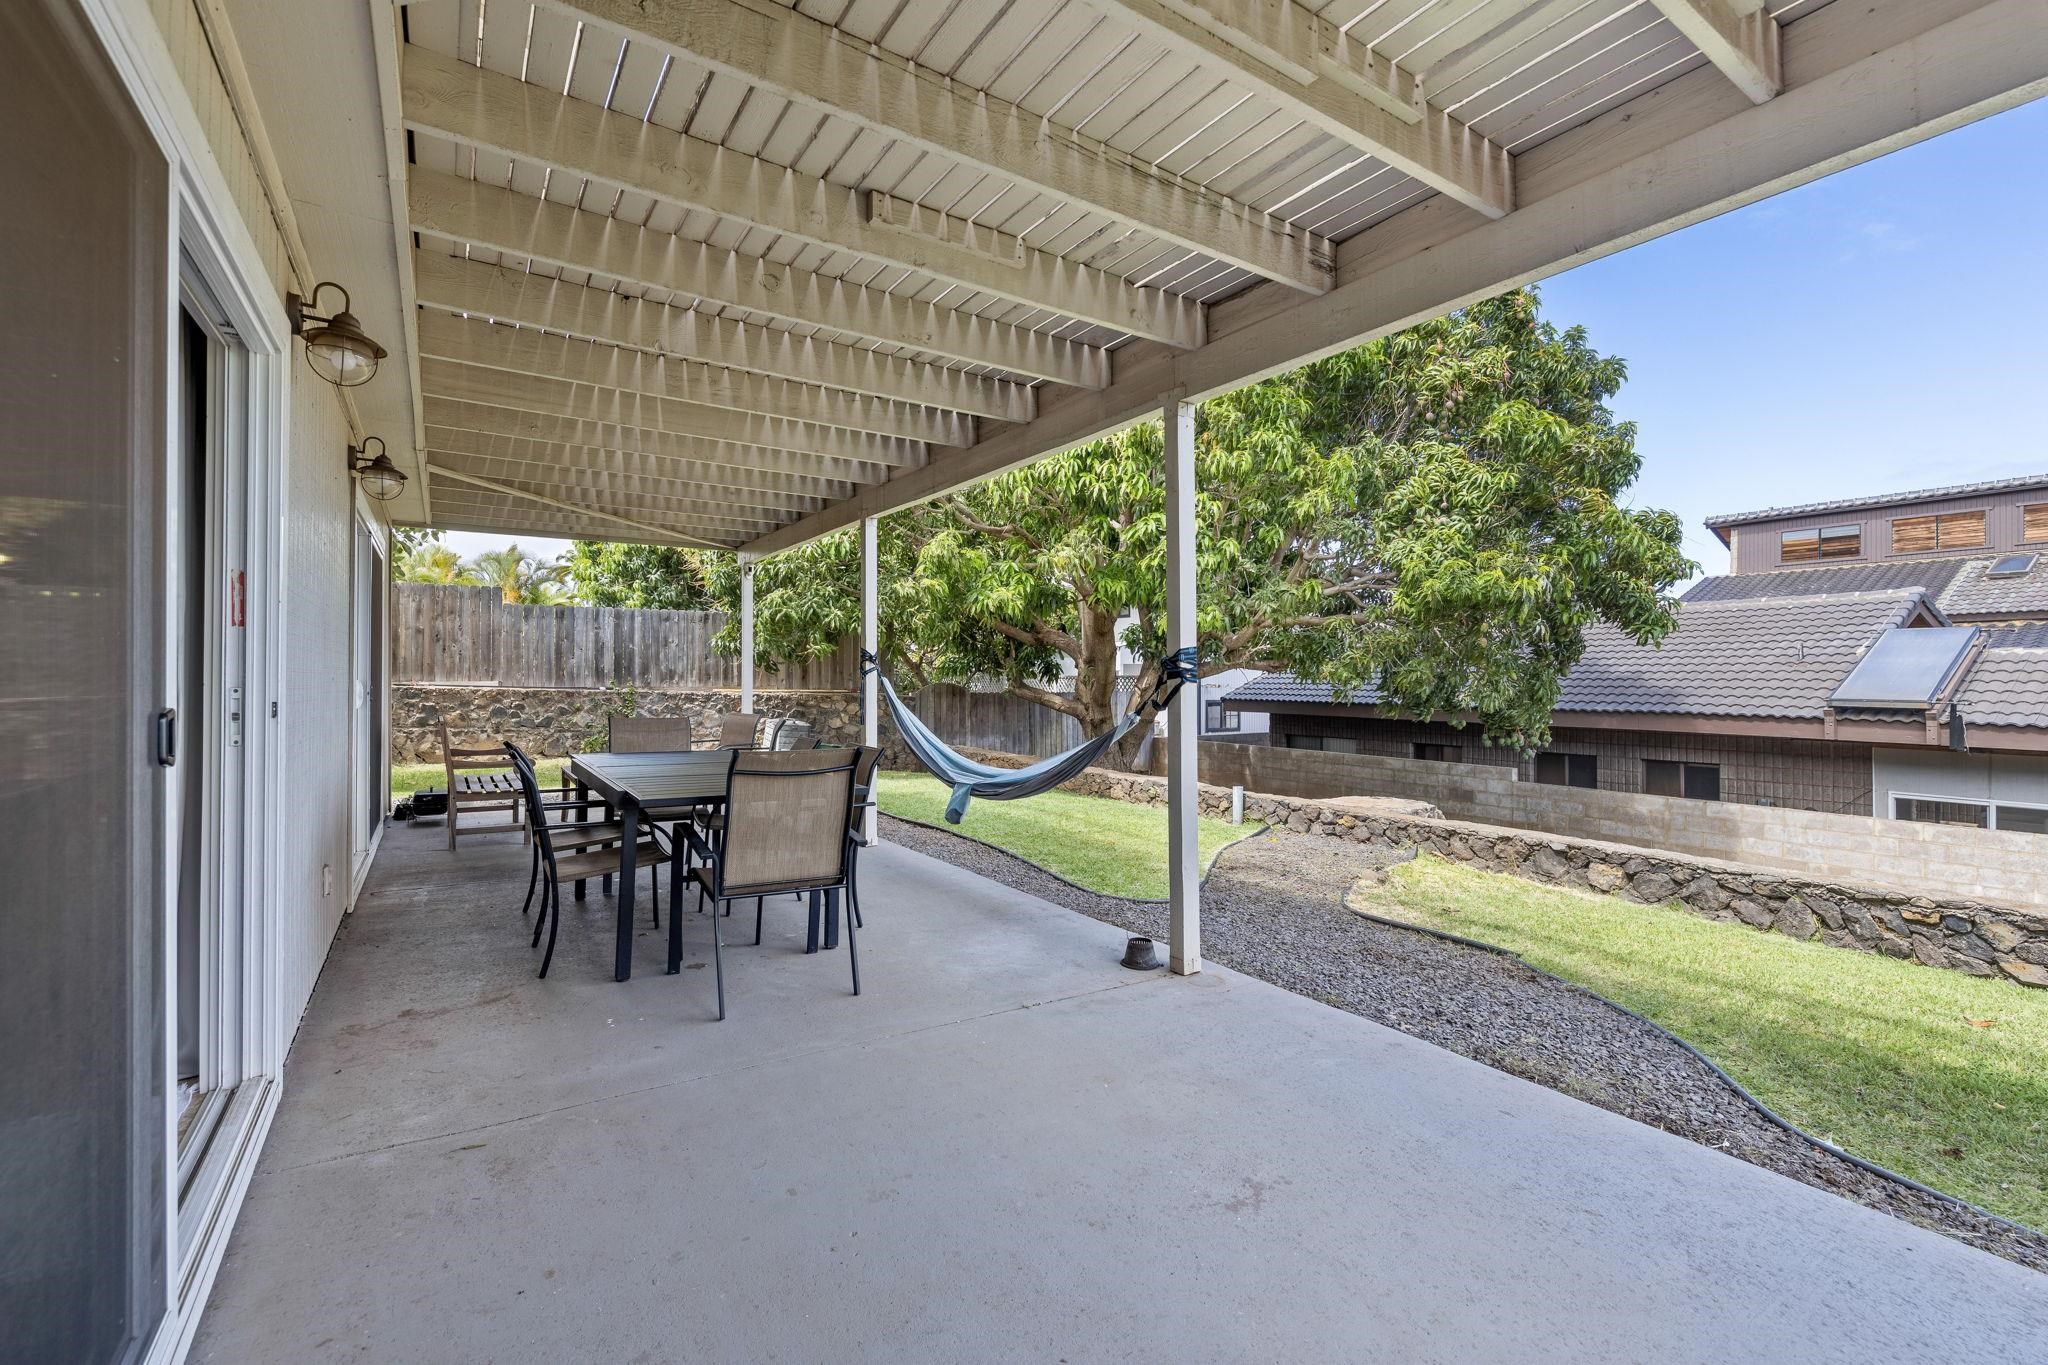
column 1183, row 714
column 870, row 641
column 746, row 634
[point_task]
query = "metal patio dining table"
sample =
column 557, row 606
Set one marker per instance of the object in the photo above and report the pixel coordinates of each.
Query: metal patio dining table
column 651, row 785
column 660, row 786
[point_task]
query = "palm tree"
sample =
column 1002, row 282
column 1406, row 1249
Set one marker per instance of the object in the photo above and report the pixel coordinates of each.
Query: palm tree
column 521, row 577
column 432, row 563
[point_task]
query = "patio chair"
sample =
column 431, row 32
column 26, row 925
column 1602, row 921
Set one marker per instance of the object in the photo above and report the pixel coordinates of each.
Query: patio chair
column 784, row 832
column 478, row 781
column 793, row 735
column 863, row 797
column 649, row 735
column 575, row 853
column 737, row 731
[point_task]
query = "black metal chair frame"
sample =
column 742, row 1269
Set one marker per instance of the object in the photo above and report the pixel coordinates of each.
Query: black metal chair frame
column 544, row 834
column 711, row 851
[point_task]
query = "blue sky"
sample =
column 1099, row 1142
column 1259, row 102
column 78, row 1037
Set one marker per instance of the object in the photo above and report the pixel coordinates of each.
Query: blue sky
column 1876, row 330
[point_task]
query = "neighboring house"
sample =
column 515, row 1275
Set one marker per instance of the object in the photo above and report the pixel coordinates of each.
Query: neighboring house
column 1981, row 520
column 1220, row 716
column 1913, row 685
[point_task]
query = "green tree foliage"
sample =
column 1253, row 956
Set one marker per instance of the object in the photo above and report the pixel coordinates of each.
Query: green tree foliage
column 522, row 577
column 420, row 556
column 661, row 576
column 1435, row 515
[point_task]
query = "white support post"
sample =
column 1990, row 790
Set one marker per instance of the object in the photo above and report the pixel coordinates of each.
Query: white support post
column 746, row 634
column 870, row 641
column 1183, row 714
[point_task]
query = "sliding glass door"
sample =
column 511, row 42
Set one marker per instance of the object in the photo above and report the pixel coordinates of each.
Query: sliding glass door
column 85, row 723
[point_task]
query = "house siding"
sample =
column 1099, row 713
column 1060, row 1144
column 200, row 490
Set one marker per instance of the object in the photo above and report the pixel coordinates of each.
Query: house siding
column 313, row 713
column 1755, row 546
column 1801, row 774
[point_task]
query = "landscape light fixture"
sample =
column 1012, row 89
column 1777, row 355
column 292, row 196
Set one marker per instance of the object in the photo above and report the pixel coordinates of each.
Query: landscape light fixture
column 337, row 347
column 380, row 478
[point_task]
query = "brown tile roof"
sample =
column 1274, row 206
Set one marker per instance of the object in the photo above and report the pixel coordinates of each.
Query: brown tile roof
column 2007, row 687
column 1776, row 657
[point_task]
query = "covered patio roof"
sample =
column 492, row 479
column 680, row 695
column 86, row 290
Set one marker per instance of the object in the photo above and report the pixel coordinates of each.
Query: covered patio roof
column 740, row 272
column 1008, row 1147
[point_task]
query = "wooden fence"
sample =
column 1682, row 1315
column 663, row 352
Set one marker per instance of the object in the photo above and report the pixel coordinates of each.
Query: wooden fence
column 470, row 637
column 447, row 635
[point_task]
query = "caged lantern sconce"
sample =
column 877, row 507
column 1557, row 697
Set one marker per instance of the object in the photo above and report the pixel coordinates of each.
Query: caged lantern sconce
column 337, row 347
column 380, row 478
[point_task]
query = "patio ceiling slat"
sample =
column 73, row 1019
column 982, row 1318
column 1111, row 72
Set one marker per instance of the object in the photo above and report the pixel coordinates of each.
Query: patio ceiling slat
column 766, row 442
column 802, row 59
column 568, row 239
column 515, row 119
column 535, row 300
column 524, row 350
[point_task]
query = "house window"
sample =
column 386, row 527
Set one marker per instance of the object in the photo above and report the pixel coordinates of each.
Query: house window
column 1824, row 542
column 1696, row 781
column 2034, row 521
column 1304, row 741
column 1945, row 531
column 2022, row 819
column 1927, row 811
column 1438, row 753
column 1218, row 719
column 1568, row 770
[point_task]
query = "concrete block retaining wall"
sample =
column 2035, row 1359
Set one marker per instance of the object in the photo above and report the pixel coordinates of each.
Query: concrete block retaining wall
column 1991, row 865
column 1952, row 931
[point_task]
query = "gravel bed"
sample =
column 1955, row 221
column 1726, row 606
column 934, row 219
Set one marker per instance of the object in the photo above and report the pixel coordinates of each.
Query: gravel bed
column 1273, row 908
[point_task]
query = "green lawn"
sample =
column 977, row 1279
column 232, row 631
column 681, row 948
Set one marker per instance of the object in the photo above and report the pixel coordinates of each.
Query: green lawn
column 1108, row 846
column 407, row 778
column 1940, row 1076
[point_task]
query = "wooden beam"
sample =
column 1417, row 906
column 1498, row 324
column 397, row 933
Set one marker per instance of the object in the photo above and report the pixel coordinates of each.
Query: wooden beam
column 775, row 443
column 531, row 300
column 787, row 53
column 443, row 472
column 718, row 462
column 1303, row 63
column 576, row 239
column 524, row 350
column 687, row 463
column 1739, row 38
column 507, row 115
column 599, row 468
column 1867, row 79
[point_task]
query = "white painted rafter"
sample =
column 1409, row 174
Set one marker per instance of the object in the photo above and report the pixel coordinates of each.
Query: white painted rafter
column 1307, row 66
column 1737, row 36
column 523, row 350
column 776, row 443
column 662, row 533
column 811, row 64
column 574, row 239
column 509, row 116
column 542, row 438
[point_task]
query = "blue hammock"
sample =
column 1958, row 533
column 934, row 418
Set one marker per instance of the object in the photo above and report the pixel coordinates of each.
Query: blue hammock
column 970, row 779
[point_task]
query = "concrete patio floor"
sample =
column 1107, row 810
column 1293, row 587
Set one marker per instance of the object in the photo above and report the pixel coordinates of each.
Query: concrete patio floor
column 1009, row 1148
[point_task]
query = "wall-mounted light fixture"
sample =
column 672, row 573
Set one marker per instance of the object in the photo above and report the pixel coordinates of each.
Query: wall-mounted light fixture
column 337, row 347
column 380, row 478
